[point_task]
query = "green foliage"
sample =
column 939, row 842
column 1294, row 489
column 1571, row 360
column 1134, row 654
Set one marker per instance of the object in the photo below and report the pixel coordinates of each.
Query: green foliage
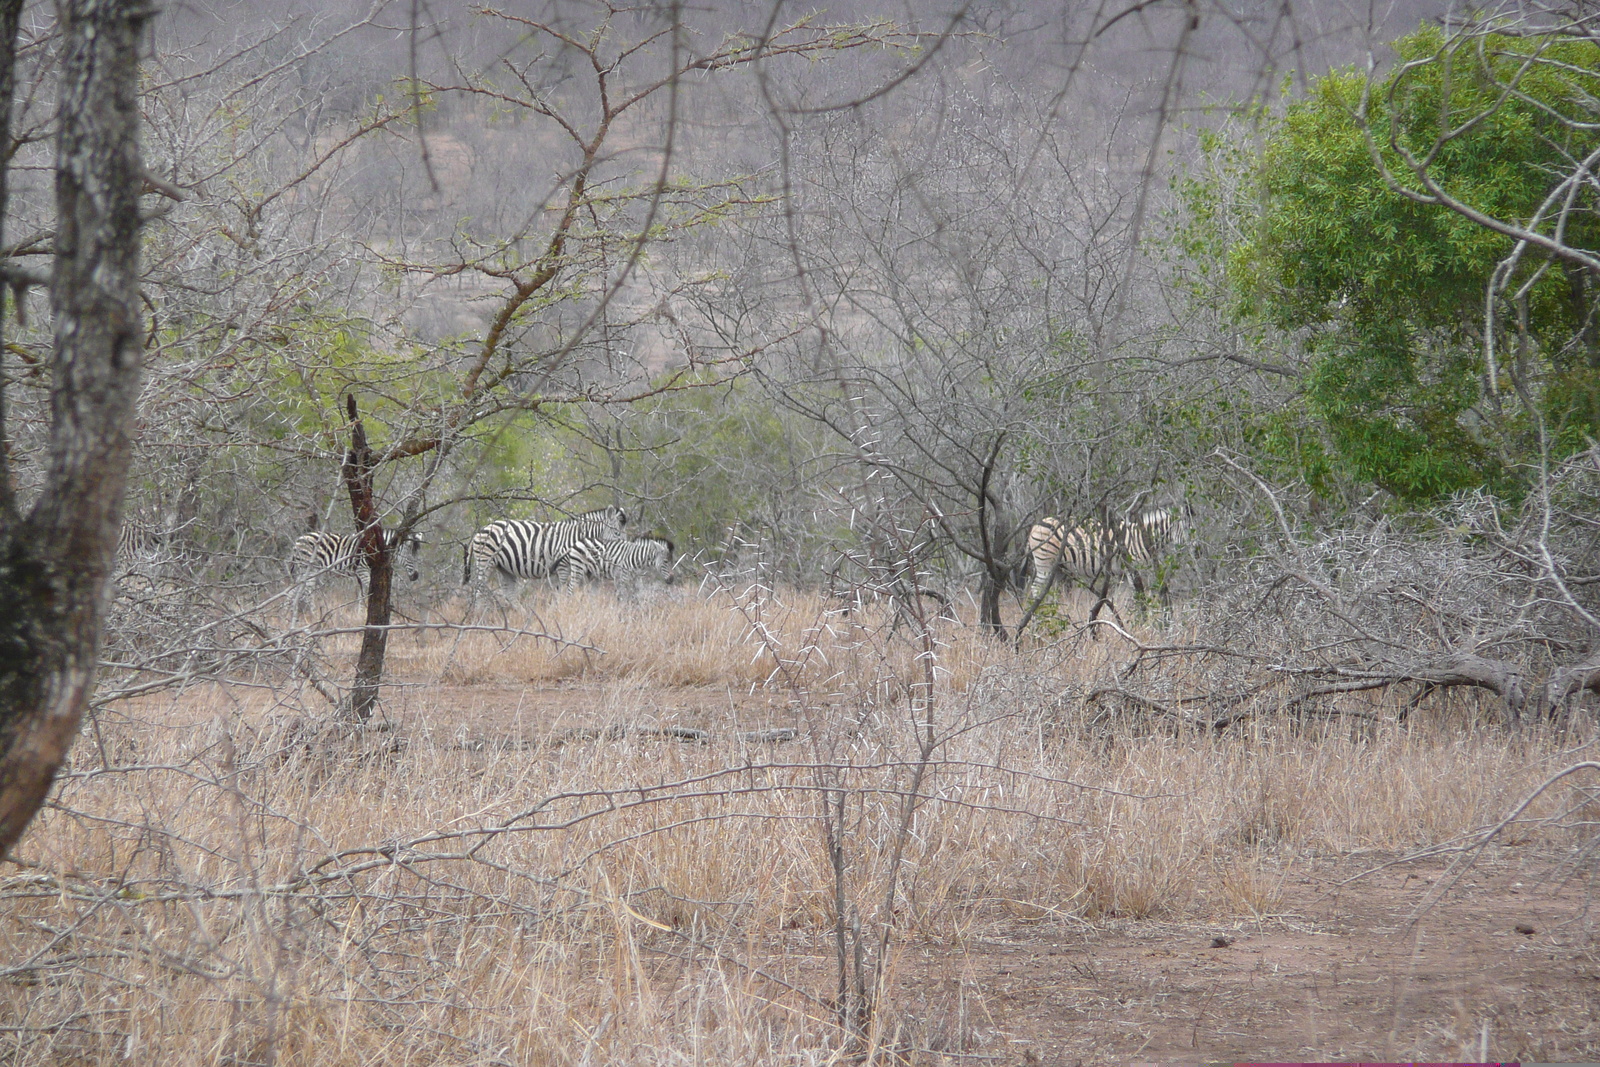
column 245, row 429
column 703, row 462
column 1390, row 292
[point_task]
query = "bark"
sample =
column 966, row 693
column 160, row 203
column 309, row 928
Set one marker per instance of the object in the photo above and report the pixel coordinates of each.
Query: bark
column 989, row 595
column 54, row 562
column 1572, row 678
column 10, row 17
column 359, row 466
column 1498, row 676
column 992, row 547
column 1439, row 670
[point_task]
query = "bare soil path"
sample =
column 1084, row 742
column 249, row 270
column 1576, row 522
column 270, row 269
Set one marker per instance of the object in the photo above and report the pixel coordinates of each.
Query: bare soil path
column 1336, row 974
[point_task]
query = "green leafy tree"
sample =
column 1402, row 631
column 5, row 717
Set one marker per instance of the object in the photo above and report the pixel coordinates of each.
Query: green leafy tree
column 712, row 463
column 1396, row 212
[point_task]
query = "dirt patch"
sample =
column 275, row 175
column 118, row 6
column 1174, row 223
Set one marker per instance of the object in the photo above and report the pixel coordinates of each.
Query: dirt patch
column 1336, row 974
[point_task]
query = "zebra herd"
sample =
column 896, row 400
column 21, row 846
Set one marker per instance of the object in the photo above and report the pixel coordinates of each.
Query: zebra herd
column 592, row 545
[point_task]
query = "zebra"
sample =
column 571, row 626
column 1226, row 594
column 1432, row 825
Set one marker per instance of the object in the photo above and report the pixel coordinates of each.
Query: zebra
column 522, row 548
column 140, row 540
column 320, row 552
column 614, row 559
column 144, row 546
column 1101, row 551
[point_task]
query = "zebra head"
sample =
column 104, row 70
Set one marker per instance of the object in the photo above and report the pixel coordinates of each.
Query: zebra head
column 612, row 520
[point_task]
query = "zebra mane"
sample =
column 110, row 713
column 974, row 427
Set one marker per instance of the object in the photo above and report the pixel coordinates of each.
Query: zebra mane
column 601, row 515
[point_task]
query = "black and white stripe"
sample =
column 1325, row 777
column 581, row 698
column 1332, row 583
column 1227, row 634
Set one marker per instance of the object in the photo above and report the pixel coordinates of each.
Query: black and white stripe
column 322, row 553
column 645, row 556
column 1153, row 531
column 142, row 543
column 137, row 539
column 521, row 548
column 1095, row 550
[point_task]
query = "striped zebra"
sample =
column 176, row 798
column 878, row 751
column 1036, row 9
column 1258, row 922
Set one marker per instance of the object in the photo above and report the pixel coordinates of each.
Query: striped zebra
column 521, row 548
column 616, row 559
column 140, row 540
column 1096, row 551
column 142, row 544
column 322, row 553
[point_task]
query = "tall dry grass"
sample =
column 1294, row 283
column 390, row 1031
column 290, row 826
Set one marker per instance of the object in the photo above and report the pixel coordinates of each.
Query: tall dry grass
column 228, row 876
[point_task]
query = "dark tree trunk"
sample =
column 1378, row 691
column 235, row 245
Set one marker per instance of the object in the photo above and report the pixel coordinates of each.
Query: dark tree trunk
column 994, row 546
column 989, row 606
column 359, row 465
column 10, row 18
column 54, row 562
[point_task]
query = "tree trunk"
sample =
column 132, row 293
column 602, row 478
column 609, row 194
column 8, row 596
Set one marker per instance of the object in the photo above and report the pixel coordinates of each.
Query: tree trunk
column 359, row 465
column 993, row 586
column 10, row 18
column 1571, row 678
column 55, row 562
column 1498, row 676
column 994, row 546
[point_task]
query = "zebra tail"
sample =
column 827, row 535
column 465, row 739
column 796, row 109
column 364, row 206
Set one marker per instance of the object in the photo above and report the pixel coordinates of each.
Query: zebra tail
column 466, row 563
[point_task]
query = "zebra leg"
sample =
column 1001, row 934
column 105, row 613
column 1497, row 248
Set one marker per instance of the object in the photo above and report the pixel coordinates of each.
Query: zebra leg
column 310, row 589
column 484, row 589
column 1039, row 588
column 478, row 573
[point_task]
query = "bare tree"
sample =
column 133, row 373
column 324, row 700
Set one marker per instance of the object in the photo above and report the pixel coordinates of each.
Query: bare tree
column 572, row 306
column 55, row 555
column 980, row 345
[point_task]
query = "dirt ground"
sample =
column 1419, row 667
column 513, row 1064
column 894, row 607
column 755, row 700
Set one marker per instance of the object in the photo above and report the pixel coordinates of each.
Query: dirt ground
column 1335, row 973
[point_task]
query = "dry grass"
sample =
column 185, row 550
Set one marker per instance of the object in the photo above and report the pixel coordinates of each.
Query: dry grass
column 227, row 878
column 676, row 638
